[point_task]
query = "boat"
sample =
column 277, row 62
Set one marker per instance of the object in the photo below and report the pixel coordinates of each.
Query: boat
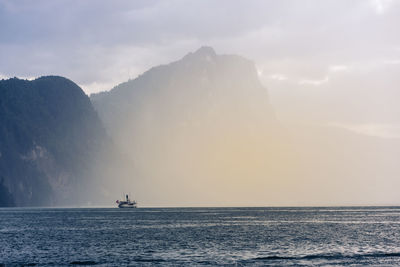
column 127, row 203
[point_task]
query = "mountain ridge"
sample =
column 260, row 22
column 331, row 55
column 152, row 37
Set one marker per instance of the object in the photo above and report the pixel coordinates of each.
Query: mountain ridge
column 49, row 134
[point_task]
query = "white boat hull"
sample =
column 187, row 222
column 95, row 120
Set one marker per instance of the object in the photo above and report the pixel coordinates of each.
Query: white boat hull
column 126, row 203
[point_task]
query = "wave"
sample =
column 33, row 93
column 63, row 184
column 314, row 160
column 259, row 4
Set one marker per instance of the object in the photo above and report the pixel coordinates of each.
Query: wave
column 83, row 263
column 148, row 260
column 329, row 256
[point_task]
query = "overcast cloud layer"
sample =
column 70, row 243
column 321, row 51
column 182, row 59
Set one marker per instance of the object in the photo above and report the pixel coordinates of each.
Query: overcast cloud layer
column 331, row 62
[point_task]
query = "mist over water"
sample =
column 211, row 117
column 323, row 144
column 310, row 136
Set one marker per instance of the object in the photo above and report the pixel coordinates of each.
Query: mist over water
column 202, row 131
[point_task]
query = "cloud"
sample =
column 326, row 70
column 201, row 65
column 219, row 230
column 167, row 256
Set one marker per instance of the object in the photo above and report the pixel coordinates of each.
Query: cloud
column 338, row 68
column 314, row 82
column 392, row 62
column 388, row 131
column 380, row 6
column 278, row 77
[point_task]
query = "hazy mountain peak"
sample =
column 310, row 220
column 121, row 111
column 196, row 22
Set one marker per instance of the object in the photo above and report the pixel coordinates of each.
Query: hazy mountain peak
column 200, row 78
column 204, row 52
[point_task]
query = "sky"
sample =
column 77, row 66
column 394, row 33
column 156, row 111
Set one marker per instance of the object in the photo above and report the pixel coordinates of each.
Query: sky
column 332, row 63
column 335, row 62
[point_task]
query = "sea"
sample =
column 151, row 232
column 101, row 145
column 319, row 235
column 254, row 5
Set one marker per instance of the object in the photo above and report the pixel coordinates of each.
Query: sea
column 312, row 236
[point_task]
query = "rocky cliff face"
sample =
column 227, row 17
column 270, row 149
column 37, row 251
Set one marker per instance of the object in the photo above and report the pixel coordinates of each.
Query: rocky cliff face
column 49, row 138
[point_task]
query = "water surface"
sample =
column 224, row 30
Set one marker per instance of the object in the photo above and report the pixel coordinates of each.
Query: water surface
column 356, row 236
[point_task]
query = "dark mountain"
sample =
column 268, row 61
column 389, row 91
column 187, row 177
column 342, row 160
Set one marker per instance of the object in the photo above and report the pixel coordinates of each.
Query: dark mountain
column 49, row 138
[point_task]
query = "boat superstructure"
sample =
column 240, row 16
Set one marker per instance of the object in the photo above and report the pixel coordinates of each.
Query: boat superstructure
column 127, row 203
